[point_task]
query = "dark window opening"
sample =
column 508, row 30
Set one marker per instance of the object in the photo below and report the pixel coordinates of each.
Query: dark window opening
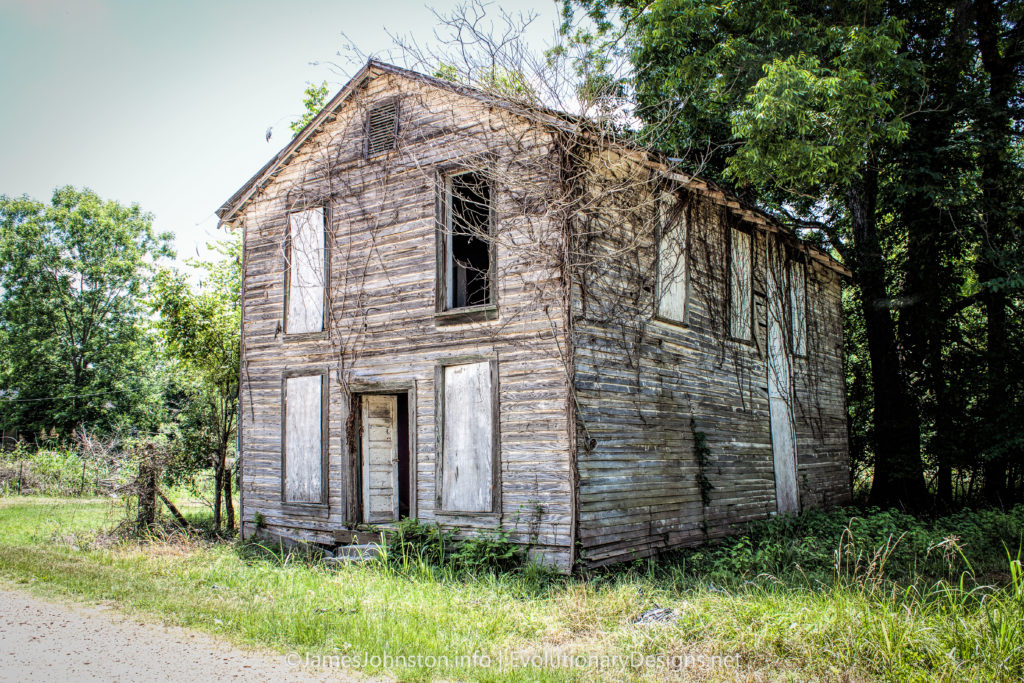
column 468, row 257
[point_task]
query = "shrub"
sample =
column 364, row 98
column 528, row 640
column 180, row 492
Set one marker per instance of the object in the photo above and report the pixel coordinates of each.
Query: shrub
column 51, row 471
column 416, row 544
column 816, row 545
column 487, row 552
column 420, row 543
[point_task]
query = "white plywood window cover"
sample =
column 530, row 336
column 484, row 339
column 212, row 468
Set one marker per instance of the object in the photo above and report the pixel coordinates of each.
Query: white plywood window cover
column 740, row 286
column 672, row 265
column 468, row 457
column 798, row 307
column 303, row 439
column 306, row 281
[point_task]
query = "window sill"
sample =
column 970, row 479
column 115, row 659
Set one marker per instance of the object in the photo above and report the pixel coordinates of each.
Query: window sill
column 303, row 336
column 476, row 515
column 752, row 343
column 320, row 510
column 469, row 314
column 669, row 322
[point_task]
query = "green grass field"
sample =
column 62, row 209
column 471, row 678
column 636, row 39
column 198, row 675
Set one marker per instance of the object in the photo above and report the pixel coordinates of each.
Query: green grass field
column 847, row 622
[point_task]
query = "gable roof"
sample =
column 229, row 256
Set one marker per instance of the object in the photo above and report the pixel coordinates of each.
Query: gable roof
column 371, row 69
column 656, row 161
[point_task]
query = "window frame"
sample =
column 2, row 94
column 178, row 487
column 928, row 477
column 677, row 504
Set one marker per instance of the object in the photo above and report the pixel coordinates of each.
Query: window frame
column 323, row 503
column 679, row 211
column 442, row 219
column 439, row 411
column 323, row 332
column 792, row 263
column 752, row 317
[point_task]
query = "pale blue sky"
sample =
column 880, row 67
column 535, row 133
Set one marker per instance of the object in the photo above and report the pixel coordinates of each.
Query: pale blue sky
column 167, row 103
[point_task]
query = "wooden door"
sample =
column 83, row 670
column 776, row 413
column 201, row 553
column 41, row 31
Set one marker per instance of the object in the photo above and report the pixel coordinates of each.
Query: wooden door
column 780, row 389
column 380, row 457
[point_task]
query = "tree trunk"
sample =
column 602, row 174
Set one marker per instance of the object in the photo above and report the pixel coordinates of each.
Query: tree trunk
column 229, row 505
column 996, row 464
column 218, row 480
column 899, row 475
column 995, row 123
column 174, row 510
column 146, row 489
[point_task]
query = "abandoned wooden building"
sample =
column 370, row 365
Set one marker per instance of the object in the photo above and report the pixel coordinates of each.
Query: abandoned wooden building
column 464, row 309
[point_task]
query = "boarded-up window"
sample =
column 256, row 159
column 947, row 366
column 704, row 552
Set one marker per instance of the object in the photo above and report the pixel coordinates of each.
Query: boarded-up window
column 467, row 459
column 303, row 439
column 381, row 128
column 798, row 307
column 740, row 286
column 672, row 265
column 466, row 226
column 306, row 272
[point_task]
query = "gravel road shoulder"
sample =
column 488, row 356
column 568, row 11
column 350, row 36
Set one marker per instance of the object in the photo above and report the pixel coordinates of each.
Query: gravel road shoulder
column 44, row 640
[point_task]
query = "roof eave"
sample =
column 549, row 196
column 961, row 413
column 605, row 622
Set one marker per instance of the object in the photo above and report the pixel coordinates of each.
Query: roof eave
column 227, row 212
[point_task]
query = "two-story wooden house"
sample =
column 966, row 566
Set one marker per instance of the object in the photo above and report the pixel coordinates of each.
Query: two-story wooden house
column 465, row 309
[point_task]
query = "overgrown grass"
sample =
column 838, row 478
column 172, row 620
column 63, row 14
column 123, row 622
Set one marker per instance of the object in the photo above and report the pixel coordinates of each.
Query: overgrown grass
column 772, row 602
column 870, row 544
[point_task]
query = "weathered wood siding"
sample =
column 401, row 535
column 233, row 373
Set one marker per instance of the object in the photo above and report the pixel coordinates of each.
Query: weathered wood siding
column 819, row 406
column 599, row 393
column 384, row 329
column 639, row 381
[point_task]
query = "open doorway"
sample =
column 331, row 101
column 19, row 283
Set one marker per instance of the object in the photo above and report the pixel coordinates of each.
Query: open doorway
column 385, row 457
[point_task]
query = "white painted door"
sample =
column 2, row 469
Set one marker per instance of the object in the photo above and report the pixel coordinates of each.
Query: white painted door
column 780, row 389
column 380, row 458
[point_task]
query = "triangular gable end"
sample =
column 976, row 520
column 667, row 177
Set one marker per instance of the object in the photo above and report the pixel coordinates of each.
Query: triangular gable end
column 240, row 198
column 228, row 212
column 373, row 68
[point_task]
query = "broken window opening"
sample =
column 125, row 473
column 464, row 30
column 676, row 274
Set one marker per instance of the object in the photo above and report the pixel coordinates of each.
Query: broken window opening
column 467, row 241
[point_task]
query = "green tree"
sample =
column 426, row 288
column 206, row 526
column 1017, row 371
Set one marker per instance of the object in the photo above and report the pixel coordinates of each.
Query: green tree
column 794, row 103
column 893, row 129
column 73, row 278
column 200, row 327
column 999, row 33
column 314, row 99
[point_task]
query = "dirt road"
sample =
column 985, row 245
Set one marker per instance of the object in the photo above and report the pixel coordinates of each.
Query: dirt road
column 42, row 640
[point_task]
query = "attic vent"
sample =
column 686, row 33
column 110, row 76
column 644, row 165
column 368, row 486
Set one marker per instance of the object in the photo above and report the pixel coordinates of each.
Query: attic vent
column 381, row 127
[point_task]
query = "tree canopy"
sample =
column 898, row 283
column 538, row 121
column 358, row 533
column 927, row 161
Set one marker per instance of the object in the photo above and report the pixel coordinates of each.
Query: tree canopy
column 889, row 133
column 73, row 276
